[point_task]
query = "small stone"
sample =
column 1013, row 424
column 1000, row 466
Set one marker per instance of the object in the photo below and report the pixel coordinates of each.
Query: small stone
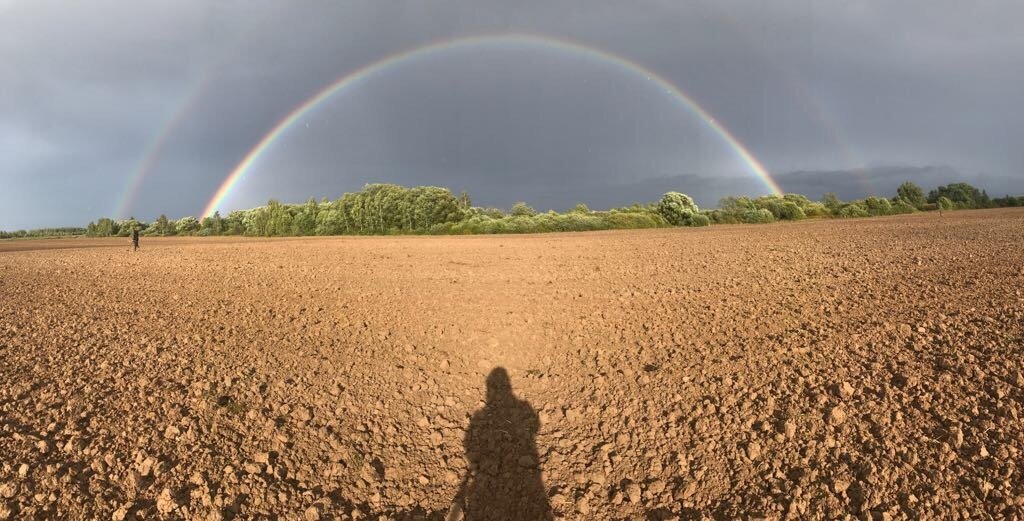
column 753, row 450
column 622, row 440
column 133, row 480
column 655, row 488
column 261, row 457
column 451, row 477
column 23, row 470
column 583, row 506
column 165, row 502
column 839, row 485
column 171, row 432
column 844, row 390
column 8, row 490
column 423, row 480
column 436, row 438
column 688, row 491
column 119, row 514
column 836, row 415
column 312, row 514
column 957, row 437
column 789, row 429
column 147, row 466
column 633, row 492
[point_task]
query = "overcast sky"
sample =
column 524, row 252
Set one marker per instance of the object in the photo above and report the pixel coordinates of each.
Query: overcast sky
column 846, row 96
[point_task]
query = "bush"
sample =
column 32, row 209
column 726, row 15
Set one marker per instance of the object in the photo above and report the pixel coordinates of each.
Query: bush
column 700, row 220
column 758, row 216
column 911, row 194
column 815, row 210
column 783, row 208
column 944, row 203
column 677, row 208
column 522, row 209
column 789, row 211
column 877, row 206
column 962, row 194
column 902, row 207
column 853, row 210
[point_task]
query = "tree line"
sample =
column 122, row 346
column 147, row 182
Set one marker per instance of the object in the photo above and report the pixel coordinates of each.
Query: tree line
column 69, row 231
column 385, row 209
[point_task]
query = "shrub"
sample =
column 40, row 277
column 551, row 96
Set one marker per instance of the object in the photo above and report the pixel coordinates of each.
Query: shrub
column 699, row 220
column 911, row 194
column 944, row 203
column 900, row 206
column 832, row 202
column 789, row 211
column 877, row 206
column 814, row 210
column 854, row 210
column 963, row 194
column 521, row 209
column 758, row 216
column 782, row 208
column 677, row 208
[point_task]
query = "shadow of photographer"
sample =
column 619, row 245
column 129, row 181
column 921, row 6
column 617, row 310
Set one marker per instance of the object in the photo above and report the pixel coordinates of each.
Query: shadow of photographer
column 503, row 480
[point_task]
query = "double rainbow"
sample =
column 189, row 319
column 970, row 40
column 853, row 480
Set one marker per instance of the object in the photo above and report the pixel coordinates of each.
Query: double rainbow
column 522, row 39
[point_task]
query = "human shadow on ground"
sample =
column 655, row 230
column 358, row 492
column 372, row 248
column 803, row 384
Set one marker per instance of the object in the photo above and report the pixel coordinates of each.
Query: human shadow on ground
column 503, row 480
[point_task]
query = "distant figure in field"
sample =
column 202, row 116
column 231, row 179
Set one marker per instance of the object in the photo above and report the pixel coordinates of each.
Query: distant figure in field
column 135, row 239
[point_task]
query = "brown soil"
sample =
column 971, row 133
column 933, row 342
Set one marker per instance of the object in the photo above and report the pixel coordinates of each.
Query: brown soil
column 870, row 368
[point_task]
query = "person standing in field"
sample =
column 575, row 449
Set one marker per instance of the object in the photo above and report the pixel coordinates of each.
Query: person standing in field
column 135, row 239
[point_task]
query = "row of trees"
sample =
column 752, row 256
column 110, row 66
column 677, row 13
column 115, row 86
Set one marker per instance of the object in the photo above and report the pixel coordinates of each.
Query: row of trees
column 391, row 209
column 43, row 232
column 909, row 198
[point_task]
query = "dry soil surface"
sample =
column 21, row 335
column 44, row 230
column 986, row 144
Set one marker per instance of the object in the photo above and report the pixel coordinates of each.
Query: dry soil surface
column 834, row 369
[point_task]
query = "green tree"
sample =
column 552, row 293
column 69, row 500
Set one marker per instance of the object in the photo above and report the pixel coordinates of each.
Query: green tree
column 962, row 195
column 677, row 208
column 832, row 202
column 877, row 205
column 104, row 227
column 162, row 226
column 187, row 226
column 912, row 194
column 212, row 225
column 521, row 209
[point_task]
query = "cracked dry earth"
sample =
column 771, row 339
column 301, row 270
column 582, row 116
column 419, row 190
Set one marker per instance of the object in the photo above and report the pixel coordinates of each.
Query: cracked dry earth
column 865, row 369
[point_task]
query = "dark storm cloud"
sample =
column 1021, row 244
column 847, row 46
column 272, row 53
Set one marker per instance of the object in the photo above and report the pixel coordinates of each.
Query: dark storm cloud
column 823, row 90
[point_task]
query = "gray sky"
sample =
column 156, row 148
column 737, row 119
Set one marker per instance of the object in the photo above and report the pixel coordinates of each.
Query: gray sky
column 847, row 96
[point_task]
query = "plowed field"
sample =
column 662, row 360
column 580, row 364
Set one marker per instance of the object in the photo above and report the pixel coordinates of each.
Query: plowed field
column 871, row 368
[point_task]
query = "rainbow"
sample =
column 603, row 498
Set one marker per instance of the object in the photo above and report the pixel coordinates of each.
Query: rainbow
column 195, row 91
column 238, row 173
column 155, row 149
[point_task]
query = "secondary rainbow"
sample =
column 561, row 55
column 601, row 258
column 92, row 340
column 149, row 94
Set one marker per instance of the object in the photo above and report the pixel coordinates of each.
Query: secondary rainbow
column 238, row 173
column 194, row 93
